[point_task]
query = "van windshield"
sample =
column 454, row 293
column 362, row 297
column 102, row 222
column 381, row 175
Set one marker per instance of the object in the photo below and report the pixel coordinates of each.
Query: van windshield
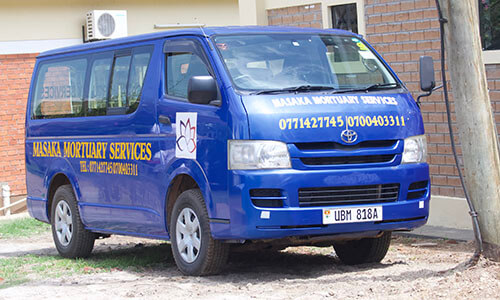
column 274, row 62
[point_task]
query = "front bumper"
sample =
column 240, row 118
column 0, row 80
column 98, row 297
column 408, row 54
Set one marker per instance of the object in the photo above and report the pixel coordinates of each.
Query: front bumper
column 247, row 222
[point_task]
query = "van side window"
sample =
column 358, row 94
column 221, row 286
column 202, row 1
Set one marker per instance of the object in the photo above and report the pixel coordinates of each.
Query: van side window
column 119, row 80
column 129, row 71
column 59, row 89
column 98, row 86
column 140, row 62
column 181, row 67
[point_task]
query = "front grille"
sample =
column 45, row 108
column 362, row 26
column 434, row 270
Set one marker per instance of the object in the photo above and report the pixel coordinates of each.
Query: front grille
column 338, row 146
column 345, row 195
column 417, row 190
column 267, row 197
column 347, row 160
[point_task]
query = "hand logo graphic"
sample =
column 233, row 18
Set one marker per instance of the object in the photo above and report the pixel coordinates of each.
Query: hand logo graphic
column 187, row 137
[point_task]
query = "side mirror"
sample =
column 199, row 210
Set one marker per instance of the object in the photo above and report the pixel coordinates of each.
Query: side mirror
column 202, row 89
column 427, row 80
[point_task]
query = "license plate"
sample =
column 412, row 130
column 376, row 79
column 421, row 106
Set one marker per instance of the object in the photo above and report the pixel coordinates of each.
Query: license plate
column 352, row 214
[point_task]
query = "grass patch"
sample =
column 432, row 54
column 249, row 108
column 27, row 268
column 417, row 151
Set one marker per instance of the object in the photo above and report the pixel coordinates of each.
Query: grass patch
column 22, row 228
column 17, row 270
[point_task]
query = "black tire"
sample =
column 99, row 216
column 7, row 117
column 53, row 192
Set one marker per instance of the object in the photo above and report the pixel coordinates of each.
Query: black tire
column 81, row 243
column 212, row 254
column 367, row 250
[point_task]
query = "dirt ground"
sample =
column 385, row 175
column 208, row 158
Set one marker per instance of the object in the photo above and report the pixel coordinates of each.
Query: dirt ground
column 414, row 268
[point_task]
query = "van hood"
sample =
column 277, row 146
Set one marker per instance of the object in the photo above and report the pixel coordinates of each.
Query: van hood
column 343, row 118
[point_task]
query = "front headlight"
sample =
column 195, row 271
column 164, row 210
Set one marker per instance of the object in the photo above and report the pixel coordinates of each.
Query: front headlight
column 251, row 155
column 415, row 150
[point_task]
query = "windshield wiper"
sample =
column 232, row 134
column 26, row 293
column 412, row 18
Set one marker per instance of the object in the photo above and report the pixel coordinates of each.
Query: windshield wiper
column 371, row 87
column 300, row 88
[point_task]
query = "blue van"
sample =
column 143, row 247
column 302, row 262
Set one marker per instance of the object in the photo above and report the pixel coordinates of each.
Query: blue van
column 215, row 138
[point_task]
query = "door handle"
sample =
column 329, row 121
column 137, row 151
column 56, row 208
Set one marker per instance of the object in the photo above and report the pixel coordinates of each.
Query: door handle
column 164, row 120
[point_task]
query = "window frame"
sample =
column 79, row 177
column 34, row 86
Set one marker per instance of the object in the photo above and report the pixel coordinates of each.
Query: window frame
column 332, row 7
column 118, row 110
column 326, row 8
column 113, row 111
column 184, row 45
column 90, row 59
column 489, row 56
column 40, row 65
column 95, row 57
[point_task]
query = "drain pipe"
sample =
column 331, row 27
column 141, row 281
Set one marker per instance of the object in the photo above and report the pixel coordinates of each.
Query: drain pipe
column 6, row 198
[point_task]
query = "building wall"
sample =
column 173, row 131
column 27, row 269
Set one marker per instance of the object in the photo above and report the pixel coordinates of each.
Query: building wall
column 402, row 31
column 302, row 16
column 15, row 76
column 62, row 19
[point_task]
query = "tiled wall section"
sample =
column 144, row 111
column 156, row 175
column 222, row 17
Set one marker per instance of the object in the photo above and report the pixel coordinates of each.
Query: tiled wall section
column 302, row 16
column 15, row 76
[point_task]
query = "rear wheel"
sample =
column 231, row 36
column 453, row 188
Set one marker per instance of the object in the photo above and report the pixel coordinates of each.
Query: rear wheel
column 195, row 251
column 367, row 250
column 71, row 238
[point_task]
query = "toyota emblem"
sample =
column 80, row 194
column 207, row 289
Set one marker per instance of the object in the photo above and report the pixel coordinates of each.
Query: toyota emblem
column 349, row 136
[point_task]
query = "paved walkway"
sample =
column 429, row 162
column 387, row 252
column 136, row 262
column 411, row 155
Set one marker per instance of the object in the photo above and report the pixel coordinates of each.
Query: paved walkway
column 442, row 232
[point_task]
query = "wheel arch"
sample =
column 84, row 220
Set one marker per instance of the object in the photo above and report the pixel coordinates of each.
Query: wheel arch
column 59, row 174
column 187, row 175
column 58, row 180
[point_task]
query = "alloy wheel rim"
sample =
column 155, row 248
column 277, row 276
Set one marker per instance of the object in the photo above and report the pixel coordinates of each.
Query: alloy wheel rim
column 63, row 223
column 188, row 235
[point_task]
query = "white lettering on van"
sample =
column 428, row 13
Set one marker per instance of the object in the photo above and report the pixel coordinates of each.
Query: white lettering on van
column 379, row 100
column 291, row 101
column 333, row 99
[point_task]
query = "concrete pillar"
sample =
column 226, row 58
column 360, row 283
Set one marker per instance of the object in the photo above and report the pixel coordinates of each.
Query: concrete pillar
column 252, row 12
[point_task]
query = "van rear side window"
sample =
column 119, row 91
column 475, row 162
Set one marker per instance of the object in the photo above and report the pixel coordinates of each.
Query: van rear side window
column 114, row 85
column 59, row 89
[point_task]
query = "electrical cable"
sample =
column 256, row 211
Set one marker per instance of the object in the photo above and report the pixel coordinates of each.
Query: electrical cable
column 472, row 211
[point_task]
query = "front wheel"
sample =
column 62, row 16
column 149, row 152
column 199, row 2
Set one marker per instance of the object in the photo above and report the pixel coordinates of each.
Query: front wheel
column 367, row 250
column 70, row 236
column 195, row 251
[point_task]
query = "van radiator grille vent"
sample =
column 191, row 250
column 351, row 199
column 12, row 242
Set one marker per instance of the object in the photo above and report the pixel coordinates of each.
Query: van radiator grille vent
column 417, row 190
column 338, row 146
column 267, row 197
column 347, row 160
column 346, row 195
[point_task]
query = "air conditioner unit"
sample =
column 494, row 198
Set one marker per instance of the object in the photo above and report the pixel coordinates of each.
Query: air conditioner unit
column 106, row 24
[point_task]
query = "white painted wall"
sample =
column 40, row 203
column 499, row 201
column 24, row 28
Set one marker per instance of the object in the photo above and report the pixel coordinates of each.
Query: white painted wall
column 29, row 26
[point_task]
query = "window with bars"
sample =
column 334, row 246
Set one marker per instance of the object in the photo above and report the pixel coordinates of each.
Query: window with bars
column 345, row 17
column 489, row 24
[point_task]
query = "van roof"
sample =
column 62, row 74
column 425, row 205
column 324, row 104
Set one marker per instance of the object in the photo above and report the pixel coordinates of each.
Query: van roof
column 209, row 31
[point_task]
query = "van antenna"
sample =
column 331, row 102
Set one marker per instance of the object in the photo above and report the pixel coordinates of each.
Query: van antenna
column 204, row 33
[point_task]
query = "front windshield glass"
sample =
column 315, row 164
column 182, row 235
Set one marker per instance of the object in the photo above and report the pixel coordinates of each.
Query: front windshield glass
column 277, row 61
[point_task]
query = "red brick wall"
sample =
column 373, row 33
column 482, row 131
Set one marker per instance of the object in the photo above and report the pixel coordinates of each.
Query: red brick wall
column 301, row 16
column 402, row 31
column 15, row 76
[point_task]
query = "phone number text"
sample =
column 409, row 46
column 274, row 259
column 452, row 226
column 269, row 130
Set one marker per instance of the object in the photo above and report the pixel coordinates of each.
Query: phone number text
column 341, row 121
